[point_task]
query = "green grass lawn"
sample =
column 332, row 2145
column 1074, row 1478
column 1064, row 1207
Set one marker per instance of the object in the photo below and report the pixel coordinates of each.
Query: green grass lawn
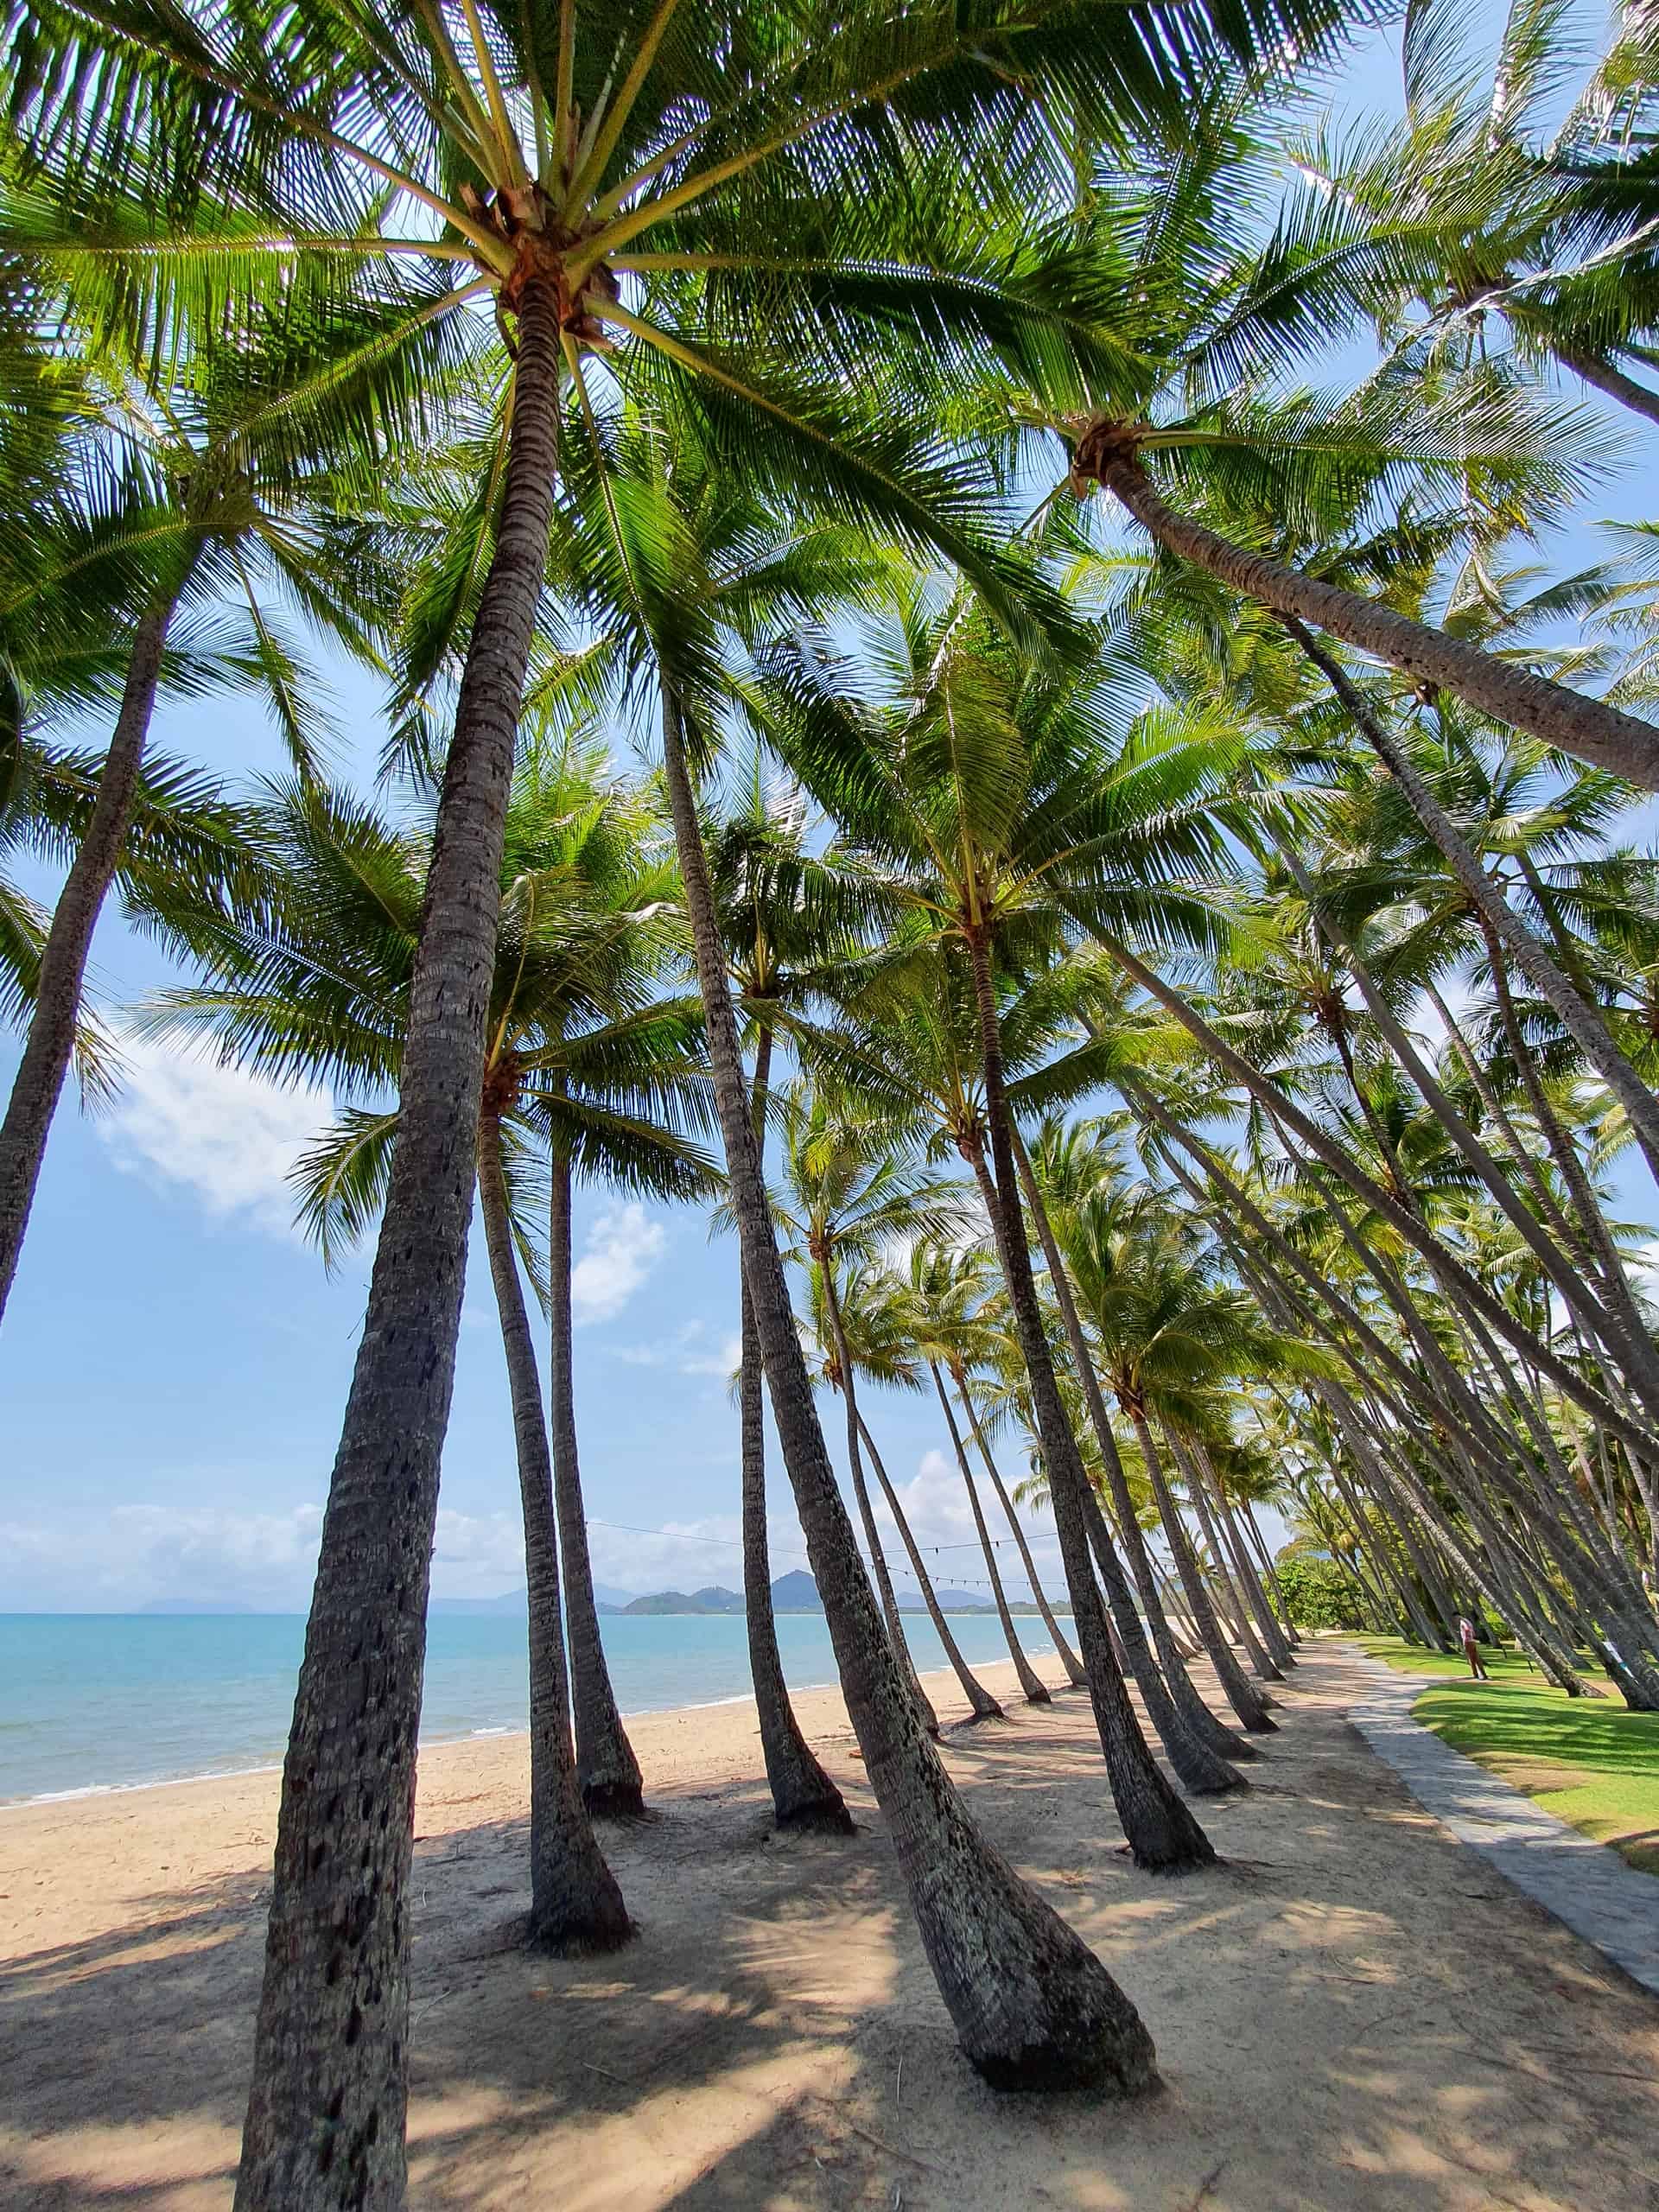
column 1591, row 1761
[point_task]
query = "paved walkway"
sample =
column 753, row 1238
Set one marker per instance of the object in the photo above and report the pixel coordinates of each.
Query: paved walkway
column 1582, row 1882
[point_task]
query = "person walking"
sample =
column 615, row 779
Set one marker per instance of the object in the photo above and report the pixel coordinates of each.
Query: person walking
column 1471, row 1650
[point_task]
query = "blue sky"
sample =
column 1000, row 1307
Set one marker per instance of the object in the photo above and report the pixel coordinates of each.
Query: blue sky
column 174, row 1362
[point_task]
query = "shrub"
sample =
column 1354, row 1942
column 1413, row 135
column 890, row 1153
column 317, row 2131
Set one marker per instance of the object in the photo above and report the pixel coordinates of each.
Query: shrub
column 1321, row 1594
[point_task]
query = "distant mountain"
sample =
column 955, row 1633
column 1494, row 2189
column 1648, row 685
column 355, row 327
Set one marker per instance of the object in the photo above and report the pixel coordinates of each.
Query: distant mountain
column 710, row 1599
column 213, row 1607
column 796, row 1592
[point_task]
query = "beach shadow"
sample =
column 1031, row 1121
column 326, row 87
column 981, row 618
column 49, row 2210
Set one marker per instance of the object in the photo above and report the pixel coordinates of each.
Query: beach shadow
column 1353, row 2012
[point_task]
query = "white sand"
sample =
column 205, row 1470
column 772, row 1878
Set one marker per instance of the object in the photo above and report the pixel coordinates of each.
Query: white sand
column 1353, row 2013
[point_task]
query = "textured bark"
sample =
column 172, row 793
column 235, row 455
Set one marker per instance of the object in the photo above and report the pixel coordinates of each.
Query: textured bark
column 1578, row 1017
column 1588, row 728
column 1163, row 1834
column 1033, row 2007
column 610, row 1777
column 866, row 1514
column 1034, row 1689
column 575, row 1903
column 803, row 1796
column 1069, row 1658
column 1246, row 1701
column 1471, row 1295
column 1607, row 379
column 1200, row 1750
column 1203, row 1771
column 982, row 1704
column 1261, row 1666
column 327, row 2111
column 49, row 1046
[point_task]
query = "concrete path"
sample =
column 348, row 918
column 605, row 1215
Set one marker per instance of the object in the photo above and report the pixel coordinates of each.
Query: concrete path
column 1583, row 1883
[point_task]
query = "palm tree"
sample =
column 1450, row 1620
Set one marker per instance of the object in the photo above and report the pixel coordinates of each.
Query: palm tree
column 580, row 1055
column 1182, row 412
column 946, row 1290
column 1544, row 236
column 160, row 505
column 782, row 910
column 1073, row 2023
column 985, row 798
column 850, row 1194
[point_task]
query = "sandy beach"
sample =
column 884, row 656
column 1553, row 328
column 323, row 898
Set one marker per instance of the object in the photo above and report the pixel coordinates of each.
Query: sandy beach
column 1352, row 2011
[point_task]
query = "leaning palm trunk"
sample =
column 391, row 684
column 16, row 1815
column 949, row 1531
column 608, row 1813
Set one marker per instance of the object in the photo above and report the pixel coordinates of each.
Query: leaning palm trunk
column 327, row 2111
column 1588, row 728
column 803, row 1796
column 1249, row 1582
column 611, row 1781
column 1200, row 1749
column 575, row 1903
column 1469, row 1294
column 866, row 1514
column 982, row 1704
column 1069, row 1658
column 1034, row 1689
column 1162, row 1832
column 1246, row 1701
column 1205, row 1772
column 50, row 1044
column 1261, row 1666
column 1578, row 1017
column 1606, row 378
column 1032, row 2006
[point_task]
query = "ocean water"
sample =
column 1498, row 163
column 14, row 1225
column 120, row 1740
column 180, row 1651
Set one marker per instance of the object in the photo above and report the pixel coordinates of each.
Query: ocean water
column 111, row 1700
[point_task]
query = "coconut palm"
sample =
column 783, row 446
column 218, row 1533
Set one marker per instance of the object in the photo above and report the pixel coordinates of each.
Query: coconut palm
column 849, row 1195
column 947, row 1292
column 162, row 507
column 583, row 1059
column 988, row 799
column 1196, row 429
column 783, row 910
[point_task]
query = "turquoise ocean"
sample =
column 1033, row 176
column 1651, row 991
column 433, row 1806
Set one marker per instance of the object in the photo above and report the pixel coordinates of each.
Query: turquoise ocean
column 110, row 1700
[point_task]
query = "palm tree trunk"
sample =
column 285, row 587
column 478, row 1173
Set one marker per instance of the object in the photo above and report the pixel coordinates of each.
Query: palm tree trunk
column 50, row 1044
column 1031, row 1685
column 1200, row 1749
column 1270, row 1576
column 1260, row 1665
column 1619, row 1327
column 1248, row 1581
column 1162, row 1832
column 1202, row 1772
column 1578, row 1017
column 575, row 1904
column 1588, row 728
column 984, row 1706
column 1472, row 1294
column 855, row 1433
column 803, row 1796
column 327, row 2111
column 1247, row 1702
column 1069, row 1658
column 1032, row 2006
column 610, row 1777
column 1605, row 377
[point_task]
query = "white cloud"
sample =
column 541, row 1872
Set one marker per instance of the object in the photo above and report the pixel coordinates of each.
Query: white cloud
column 622, row 1243
column 935, row 1502
column 226, row 1135
column 136, row 1553
column 688, row 1351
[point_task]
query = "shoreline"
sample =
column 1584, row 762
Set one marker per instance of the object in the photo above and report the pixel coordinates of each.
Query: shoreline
column 1348, row 2007
column 1039, row 1650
